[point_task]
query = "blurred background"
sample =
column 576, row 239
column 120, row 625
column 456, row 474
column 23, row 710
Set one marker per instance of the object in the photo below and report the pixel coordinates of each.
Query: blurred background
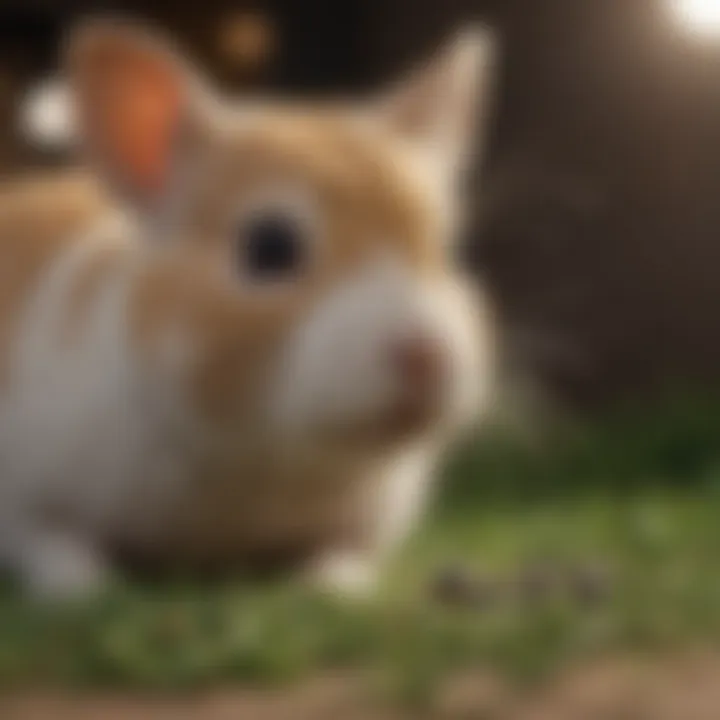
column 596, row 222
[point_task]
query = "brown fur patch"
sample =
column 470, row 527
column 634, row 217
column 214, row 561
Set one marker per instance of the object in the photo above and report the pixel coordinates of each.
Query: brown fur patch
column 367, row 203
column 38, row 219
column 235, row 337
column 87, row 283
column 366, row 193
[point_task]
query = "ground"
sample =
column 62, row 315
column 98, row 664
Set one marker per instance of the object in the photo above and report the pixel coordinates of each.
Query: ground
column 683, row 687
column 577, row 582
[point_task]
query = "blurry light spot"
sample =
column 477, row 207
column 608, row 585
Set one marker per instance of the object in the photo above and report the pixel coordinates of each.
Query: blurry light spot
column 701, row 16
column 46, row 115
column 246, row 40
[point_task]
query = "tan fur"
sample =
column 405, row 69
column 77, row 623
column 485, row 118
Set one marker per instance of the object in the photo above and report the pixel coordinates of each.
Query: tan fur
column 237, row 334
column 364, row 195
column 88, row 283
column 366, row 202
column 39, row 218
column 178, row 316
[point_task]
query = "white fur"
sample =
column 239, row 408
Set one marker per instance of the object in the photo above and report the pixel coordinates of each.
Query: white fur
column 95, row 449
column 338, row 370
column 99, row 447
column 79, row 432
column 346, row 574
column 339, row 366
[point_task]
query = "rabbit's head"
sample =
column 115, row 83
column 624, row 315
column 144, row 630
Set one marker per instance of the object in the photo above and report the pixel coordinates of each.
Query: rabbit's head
column 305, row 255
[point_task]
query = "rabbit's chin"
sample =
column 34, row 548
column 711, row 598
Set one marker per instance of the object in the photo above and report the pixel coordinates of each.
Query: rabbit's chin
column 384, row 421
column 396, row 429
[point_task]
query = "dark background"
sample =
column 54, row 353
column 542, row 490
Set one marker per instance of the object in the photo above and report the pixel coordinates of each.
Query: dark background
column 597, row 220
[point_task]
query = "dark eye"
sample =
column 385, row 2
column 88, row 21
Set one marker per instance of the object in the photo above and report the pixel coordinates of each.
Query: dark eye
column 271, row 246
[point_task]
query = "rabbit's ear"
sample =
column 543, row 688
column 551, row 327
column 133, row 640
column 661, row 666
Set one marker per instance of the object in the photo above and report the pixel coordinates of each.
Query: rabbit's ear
column 134, row 103
column 440, row 106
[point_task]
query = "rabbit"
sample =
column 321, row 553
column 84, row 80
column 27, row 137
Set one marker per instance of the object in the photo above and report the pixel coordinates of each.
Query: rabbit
column 238, row 332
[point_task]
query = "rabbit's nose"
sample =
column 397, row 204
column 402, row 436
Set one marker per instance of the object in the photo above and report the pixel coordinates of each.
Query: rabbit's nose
column 421, row 363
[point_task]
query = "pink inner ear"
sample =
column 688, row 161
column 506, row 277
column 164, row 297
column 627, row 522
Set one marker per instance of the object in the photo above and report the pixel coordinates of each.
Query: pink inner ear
column 131, row 101
column 142, row 122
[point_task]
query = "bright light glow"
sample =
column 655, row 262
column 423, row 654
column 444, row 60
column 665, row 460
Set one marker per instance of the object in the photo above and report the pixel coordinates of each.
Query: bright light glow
column 702, row 16
column 46, row 117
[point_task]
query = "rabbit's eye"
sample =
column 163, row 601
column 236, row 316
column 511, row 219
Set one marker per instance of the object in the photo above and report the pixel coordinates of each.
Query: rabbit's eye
column 270, row 246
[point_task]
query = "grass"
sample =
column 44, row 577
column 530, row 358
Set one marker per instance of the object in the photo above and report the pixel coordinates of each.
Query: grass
column 638, row 493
